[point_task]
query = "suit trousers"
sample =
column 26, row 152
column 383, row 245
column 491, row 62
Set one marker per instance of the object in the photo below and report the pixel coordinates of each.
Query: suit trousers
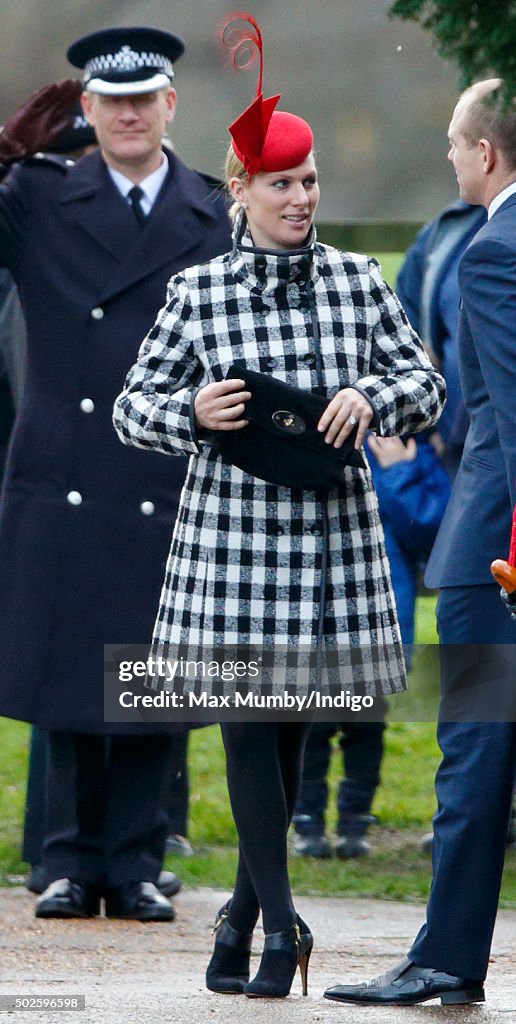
column 119, row 829
column 474, row 781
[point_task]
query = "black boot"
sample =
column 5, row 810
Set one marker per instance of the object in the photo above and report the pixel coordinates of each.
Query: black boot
column 228, row 969
column 283, row 953
column 351, row 832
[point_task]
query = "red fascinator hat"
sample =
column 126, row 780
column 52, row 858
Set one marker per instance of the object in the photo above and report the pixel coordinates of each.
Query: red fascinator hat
column 264, row 139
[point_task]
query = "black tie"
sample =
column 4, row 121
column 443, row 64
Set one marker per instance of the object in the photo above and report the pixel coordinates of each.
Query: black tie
column 135, row 196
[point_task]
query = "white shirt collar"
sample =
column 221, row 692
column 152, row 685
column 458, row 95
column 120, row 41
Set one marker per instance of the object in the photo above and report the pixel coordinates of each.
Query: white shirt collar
column 499, row 200
column 150, row 185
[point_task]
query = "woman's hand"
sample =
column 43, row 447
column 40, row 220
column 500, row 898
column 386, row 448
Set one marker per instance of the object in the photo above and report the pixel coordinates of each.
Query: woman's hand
column 344, row 411
column 218, row 406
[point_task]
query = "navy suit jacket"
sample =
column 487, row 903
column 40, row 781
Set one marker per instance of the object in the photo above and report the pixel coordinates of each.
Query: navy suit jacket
column 477, row 524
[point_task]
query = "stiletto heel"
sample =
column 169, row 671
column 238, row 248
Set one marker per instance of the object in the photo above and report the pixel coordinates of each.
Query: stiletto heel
column 228, row 969
column 283, row 953
column 304, row 960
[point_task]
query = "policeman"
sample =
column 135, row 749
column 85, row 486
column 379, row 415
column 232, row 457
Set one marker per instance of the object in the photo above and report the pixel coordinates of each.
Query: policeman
column 85, row 522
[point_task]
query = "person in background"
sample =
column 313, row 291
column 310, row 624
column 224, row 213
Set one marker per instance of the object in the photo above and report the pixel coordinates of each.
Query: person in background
column 175, row 799
column 413, row 490
column 428, row 287
column 84, row 526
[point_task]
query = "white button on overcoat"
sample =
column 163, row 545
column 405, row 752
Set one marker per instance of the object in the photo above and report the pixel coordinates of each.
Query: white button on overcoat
column 148, row 508
column 97, row 313
column 87, row 405
column 74, row 498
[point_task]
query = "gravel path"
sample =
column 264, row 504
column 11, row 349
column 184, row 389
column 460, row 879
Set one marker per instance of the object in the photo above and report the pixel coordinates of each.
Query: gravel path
column 132, row 973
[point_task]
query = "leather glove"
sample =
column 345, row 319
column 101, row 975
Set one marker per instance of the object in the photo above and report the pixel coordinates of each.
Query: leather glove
column 509, row 601
column 35, row 124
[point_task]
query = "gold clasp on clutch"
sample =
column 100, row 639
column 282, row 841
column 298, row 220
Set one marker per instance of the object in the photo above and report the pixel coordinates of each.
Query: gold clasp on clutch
column 289, row 422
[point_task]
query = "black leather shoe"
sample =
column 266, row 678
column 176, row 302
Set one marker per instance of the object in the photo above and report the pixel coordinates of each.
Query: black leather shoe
column 310, row 846
column 138, row 901
column 168, row 883
column 348, row 847
column 179, row 846
column 68, row 898
column 407, row 984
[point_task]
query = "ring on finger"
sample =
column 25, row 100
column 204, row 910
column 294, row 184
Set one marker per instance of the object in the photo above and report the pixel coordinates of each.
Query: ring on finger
column 351, row 420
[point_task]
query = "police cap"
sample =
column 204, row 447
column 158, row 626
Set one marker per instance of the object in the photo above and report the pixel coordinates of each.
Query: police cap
column 123, row 61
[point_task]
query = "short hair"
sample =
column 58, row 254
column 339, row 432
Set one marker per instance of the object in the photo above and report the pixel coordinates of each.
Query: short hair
column 487, row 117
column 234, row 168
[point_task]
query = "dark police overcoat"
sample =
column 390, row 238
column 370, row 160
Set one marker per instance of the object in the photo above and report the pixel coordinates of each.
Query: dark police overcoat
column 85, row 523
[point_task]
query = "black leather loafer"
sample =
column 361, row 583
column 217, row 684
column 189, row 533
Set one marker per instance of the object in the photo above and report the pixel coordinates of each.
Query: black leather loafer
column 407, row 984
column 138, row 901
column 68, row 898
column 168, row 883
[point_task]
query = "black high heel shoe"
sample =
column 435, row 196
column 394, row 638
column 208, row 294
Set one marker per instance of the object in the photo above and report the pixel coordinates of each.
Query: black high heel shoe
column 283, row 953
column 228, row 969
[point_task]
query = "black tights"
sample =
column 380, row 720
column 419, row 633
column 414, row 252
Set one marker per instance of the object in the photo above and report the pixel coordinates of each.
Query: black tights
column 264, row 766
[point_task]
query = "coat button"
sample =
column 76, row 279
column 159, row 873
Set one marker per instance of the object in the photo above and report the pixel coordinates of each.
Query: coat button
column 147, row 508
column 272, row 363
column 74, row 498
column 313, row 530
column 97, row 313
column 309, row 358
column 87, row 405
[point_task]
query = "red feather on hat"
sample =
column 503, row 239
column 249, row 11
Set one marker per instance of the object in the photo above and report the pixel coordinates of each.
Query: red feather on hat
column 284, row 148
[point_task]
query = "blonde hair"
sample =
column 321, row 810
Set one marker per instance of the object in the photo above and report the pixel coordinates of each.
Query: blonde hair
column 234, row 168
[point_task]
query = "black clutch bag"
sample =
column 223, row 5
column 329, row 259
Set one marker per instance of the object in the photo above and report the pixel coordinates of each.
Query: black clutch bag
column 281, row 443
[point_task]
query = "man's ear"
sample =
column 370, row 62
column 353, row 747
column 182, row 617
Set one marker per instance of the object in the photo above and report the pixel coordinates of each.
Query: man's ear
column 171, row 99
column 488, row 153
column 87, row 106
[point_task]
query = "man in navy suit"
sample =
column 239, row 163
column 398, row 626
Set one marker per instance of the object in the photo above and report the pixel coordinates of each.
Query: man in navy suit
column 85, row 523
column 477, row 728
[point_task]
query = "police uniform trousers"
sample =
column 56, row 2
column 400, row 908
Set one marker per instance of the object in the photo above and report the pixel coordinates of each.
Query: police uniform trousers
column 116, row 786
column 477, row 737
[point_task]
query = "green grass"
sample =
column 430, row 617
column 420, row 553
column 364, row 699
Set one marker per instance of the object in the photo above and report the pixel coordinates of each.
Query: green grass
column 404, row 805
column 390, row 263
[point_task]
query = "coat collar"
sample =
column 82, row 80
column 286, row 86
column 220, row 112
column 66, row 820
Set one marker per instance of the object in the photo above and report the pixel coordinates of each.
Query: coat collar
column 180, row 218
column 268, row 271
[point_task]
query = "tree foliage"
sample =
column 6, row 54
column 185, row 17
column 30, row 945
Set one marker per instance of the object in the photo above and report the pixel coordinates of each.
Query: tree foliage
column 479, row 35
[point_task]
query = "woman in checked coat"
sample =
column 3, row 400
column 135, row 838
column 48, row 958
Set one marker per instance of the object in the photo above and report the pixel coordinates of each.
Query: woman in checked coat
column 247, row 557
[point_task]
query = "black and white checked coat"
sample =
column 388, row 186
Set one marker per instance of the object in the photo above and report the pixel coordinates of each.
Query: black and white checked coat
column 247, row 557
